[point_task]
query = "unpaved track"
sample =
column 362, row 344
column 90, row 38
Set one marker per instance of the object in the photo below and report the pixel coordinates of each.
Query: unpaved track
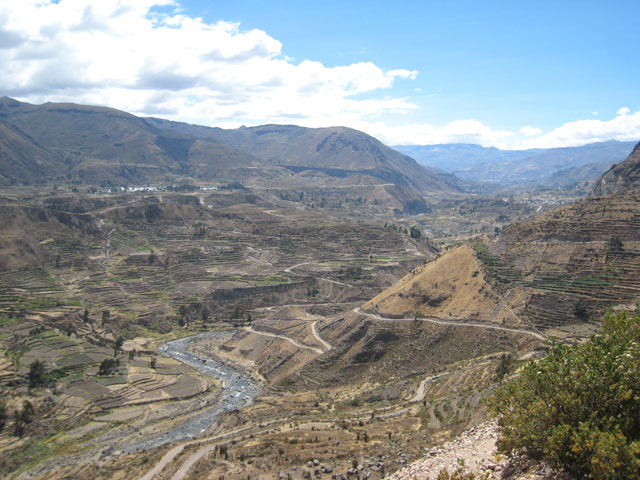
column 186, row 466
column 289, row 269
column 291, row 340
column 335, row 282
column 453, row 324
column 164, row 461
column 324, row 343
column 422, row 390
column 175, row 451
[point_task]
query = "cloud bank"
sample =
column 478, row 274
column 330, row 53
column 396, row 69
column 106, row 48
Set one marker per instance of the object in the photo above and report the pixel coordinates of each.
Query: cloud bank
column 147, row 57
column 128, row 55
column 624, row 126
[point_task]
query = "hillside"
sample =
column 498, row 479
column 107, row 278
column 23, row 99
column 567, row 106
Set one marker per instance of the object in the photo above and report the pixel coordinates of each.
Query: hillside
column 624, row 176
column 22, row 159
column 336, row 151
column 101, row 146
column 449, row 287
column 555, row 271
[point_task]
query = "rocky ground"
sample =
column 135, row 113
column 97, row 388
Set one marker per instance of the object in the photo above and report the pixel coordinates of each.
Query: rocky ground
column 474, row 451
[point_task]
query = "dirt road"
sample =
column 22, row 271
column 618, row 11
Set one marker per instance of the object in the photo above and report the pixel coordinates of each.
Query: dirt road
column 453, row 324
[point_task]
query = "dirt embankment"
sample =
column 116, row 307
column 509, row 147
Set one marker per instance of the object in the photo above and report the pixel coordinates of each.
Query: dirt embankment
column 451, row 286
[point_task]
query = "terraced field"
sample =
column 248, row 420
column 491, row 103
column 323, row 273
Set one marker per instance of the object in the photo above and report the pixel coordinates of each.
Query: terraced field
column 160, row 267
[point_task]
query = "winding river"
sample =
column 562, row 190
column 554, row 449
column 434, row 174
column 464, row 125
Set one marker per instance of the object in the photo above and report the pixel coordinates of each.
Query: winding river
column 239, row 390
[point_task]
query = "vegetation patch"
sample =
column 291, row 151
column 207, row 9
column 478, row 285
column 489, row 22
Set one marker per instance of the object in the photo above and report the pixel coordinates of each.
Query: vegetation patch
column 579, row 407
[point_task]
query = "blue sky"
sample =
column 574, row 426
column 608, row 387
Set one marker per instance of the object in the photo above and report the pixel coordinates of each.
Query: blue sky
column 502, row 62
column 512, row 74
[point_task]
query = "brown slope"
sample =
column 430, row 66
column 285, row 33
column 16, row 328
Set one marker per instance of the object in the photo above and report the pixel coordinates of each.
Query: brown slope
column 592, row 220
column 574, row 262
column 623, row 176
column 554, row 272
column 22, row 158
column 336, row 151
column 101, row 144
column 450, row 287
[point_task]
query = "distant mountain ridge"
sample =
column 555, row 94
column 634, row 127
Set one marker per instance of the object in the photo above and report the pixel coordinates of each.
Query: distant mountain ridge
column 337, row 151
column 97, row 145
column 93, row 145
column 535, row 166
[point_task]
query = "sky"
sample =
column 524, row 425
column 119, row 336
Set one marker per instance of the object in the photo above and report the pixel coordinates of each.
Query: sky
column 508, row 74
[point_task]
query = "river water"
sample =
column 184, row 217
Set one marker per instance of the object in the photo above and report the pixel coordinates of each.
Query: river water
column 238, row 391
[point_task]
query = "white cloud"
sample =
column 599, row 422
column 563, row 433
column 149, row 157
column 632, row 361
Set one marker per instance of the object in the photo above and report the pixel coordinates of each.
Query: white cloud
column 128, row 55
column 124, row 54
column 624, row 126
column 529, row 131
column 402, row 73
column 457, row 131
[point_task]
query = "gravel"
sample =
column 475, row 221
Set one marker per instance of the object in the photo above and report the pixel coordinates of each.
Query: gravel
column 239, row 390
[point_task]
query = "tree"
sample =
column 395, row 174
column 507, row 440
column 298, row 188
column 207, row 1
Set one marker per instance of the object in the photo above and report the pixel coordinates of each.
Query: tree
column 182, row 312
column 27, row 411
column 18, row 425
column 4, row 415
column 108, row 366
column 106, row 314
column 615, row 244
column 505, row 366
column 415, row 232
column 37, row 374
column 579, row 407
column 237, row 313
column 580, row 310
column 117, row 345
column 152, row 212
column 153, row 362
column 85, row 315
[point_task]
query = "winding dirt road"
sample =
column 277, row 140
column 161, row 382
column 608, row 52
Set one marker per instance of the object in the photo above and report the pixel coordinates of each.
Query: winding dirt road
column 291, row 340
column 453, row 324
column 422, row 390
column 191, row 461
column 324, row 343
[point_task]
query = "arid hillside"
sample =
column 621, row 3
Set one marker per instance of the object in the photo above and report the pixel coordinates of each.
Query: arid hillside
column 102, row 146
column 554, row 272
column 450, row 287
column 620, row 177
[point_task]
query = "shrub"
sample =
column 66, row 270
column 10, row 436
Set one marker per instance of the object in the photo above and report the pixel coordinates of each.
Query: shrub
column 37, row 374
column 579, row 407
column 108, row 366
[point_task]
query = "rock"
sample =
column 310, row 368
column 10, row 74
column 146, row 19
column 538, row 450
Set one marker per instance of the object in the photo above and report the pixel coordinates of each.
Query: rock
column 316, row 462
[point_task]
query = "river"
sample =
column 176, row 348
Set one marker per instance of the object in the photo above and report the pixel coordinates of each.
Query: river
column 239, row 390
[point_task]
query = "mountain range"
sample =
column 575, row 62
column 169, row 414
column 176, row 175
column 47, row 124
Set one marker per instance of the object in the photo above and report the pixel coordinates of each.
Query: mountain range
column 553, row 166
column 65, row 142
column 98, row 145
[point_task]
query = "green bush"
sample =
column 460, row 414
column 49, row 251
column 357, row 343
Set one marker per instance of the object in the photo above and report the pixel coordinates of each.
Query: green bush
column 579, row 407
